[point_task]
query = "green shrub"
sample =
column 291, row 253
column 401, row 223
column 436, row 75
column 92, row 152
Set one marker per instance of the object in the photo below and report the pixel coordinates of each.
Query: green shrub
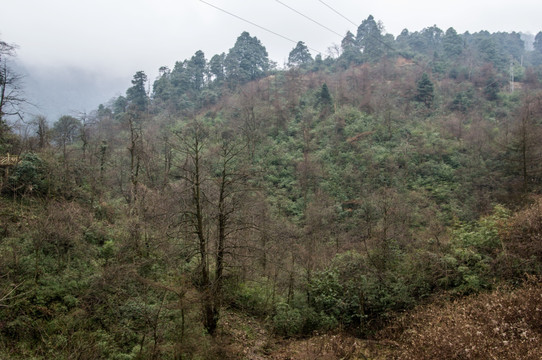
column 474, row 253
column 250, row 297
column 316, row 321
column 287, row 321
column 29, row 176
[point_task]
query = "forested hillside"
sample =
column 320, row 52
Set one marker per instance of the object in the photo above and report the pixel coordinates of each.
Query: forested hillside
column 238, row 210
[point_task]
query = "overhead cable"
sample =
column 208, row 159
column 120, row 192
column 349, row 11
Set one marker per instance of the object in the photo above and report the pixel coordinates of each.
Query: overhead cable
column 306, row 17
column 258, row 26
column 338, row 13
column 353, row 23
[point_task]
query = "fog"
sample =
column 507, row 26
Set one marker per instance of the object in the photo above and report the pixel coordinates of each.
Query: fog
column 56, row 91
column 78, row 54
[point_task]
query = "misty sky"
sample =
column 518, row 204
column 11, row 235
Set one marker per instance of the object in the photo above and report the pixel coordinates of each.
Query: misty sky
column 119, row 37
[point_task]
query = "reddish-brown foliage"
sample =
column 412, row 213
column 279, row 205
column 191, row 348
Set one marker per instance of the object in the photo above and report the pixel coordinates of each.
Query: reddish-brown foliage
column 522, row 236
column 504, row 324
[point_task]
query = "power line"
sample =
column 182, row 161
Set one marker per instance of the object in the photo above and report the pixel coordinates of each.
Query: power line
column 338, row 13
column 353, row 23
column 248, row 21
column 306, row 17
column 258, row 26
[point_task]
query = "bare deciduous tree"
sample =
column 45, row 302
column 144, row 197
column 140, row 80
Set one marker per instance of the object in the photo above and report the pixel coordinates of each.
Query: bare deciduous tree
column 11, row 94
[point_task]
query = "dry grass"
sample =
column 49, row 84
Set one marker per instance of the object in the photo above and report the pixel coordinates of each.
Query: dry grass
column 243, row 337
column 504, row 324
column 522, row 235
column 324, row 347
column 500, row 325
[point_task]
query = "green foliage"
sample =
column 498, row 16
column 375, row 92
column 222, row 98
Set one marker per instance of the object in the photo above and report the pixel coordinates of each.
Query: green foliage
column 136, row 96
column 424, row 91
column 254, row 298
column 291, row 321
column 324, row 99
column 287, row 321
column 339, row 299
column 119, row 105
column 247, row 60
column 492, row 88
column 474, row 251
column 426, row 42
column 216, row 66
column 29, row 176
column 197, row 67
column 162, row 89
column 463, row 101
column 66, row 130
column 370, row 40
column 538, row 42
column 452, row 43
column 351, row 53
column 300, row 56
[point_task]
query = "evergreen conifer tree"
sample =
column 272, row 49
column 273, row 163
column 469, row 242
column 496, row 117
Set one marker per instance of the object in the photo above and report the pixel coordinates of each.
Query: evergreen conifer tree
column 425, row 91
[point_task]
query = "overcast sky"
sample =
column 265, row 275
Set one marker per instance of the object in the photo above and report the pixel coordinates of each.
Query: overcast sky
column 120, row 37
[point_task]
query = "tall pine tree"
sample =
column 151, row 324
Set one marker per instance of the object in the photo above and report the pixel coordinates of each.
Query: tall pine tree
column 425, row 91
